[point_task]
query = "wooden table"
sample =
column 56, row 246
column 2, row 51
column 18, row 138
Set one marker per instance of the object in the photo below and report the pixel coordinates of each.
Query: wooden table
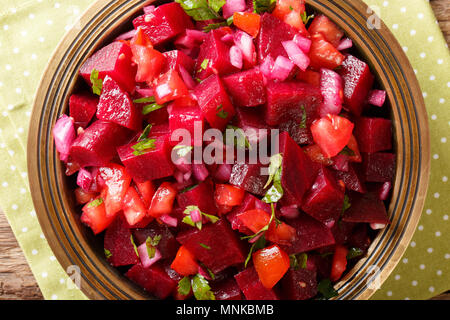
column 16, row 279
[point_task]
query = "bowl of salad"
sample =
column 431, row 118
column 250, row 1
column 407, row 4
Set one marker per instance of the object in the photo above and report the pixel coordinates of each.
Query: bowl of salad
column 229, row 150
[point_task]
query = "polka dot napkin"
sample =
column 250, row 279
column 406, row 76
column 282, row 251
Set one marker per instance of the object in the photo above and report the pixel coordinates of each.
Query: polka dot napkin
column 30, row 31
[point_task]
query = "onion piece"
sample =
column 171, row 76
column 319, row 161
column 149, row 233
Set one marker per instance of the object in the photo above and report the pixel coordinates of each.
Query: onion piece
column 385, row 189
column 303, row 43
column 223, row 172
column 187, row 78
column 290, row 212
column 377, row 226
column 345, row 43
column 196, row 216
column 64, row 135
column 245, row 42
column 281, row 68
column 145, row 259
column 332, row 88
column 267, row 66
column 127, row 35
column 228, row 38
column 147, row 92
column 297, row 56
column 236, row 57
column 232, row 6
column 169, row 220
column 200, row 172
column 149, row 9
column 196, row 35
column 377, row 97
column 84, row 179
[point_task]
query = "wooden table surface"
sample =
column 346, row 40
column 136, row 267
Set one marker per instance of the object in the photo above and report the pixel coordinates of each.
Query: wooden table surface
column 16, row 279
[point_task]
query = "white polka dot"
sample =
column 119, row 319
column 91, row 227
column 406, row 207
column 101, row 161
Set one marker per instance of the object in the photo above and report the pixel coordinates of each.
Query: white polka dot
column 23, row 33
column 443, row 139
column 431, row 289
column 395, row 26
column 412, row 32
column 5, row 184
column 423, row 55
column 24, row 229
column 406, row 298
column 430, row 39
column 433, row 117
column 397, row 277
column 402, row 9
column 34, row 252
column 389, row 293
column 437, row 233
column 436, row 195
column 445, row 217
column 424, row 94
column 441, row 100
column 33, row 213
column 405, row 49
column 8, row 67
column 52, row 258
column 414, row 283
column 429, row 211
column 62, row 281
column 14, row 207
column 13, row 168
column 422, row 266
column 23, row 190
column 412, row 244
column 420, row 16
column 54, row 297
column 16, row 50
column 33, row 56
column 23, row 174
column 44, row 274
column 31, row 16
column 440, row 61
column 430, row 250
column 420, row 227
column 57, row 5
column 432, row 77
column 385, row 3
column 41, row 39
column 435, row 156
column 405, row 260
column 49, row 22
column 448, row 84
column 439, row 272
column 42, row 236
column 5, row 27
column 447, row 256
column 11, row 152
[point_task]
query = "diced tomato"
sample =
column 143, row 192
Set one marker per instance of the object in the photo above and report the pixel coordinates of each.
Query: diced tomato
column 353, row 145
column 332, row 133
column 83, row 197
column 315, row 153
column 323, row 54
column 147, row 191
column 94, row 215
column 247, row 21
column 228, row 195
column 149, row 63
column 294, row 19
column 324, row 26
column 141, row 39
column 339, row 262
column 116, row 181
column 271, row 264
column 184, row 262
column 162, row 201
column 309, row 76
column 134, row 209
column 169, row 86
column 257, row 219
column 284, row 7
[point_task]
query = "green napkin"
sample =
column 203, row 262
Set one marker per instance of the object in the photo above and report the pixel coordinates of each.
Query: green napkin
column 30, row 31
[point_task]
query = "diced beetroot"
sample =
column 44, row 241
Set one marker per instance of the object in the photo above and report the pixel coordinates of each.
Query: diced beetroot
column 353, row 178
column 187, row 116
column 272, row 33
column 290, row 100
column 379, row 166
column 113, row 60
column 158, row 117
column 176, row 58
column 246, row 88
column 366, row 208
column 168, row 245
column 153, row 279
column 298, row 171
column 311, row 235
column 97, row 144
column 373, row 134
column 160, row 130
column 299, row 284
column 201, row 196
column 342, row 231
column 358, row 81
column 298, row 133
column 226, row 289
column 164, row 23
column 116, row 106
column 325, row 199
column 249, row 283
column 214, row 102
column 320, row 263
column 214, row 56
column 225, row 247
column 248, row 177
column 250, row 120
column 360, row 238
column 118, row 241
column 82, row 108
column 153, row 164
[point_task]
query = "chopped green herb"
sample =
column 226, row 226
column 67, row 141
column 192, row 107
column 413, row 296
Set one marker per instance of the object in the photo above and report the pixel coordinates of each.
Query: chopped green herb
column 204, row 64
column 97, row 83
column 266, row 227
column 204, row 246
column 257, row 245
column 260, row 6
column 142, row 146
column 213, row 26
column 347, row 152
column 216, row 5
column 201, row 288
column 183, row 151
column 151, row 245
column 298, row 261
column 303, row 122
column 145, row 133
column 274, row 166
column 230, row 21
column 145, row 100
column 211, row 274
column 188, row 188
column 305, row 17
column 220, row 112
column 184, row 286
column 274, row 194
column 108, row 253
column 151, row 107
column 134, row 245
column 347, row 203
column 353, row 253
column 240, row 140
column 188, row 220
column 290, row 8
column 95, row 203
column 199, row 10
column 325, row 287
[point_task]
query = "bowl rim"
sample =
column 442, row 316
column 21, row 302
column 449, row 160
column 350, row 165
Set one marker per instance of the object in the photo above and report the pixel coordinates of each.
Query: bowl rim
column 56, row 226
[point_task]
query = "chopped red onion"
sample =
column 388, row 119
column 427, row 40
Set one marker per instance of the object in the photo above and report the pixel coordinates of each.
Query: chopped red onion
column 196, row 216
column 377, row 226
column 187, row 78
column 200, row 171
column 149, row 9
column 183, row 165
column 127, row 35
column 330, row 223
column 290, row 212
column 146, row 92
column 236, row 57
column 196, row 35
column 345, row 43
column 245, row 42
column 377, row 97
column 178, row 175
column 282, row 68
column 145, row 259
column 169, row 220
column 223, row 172
column 232, row 6
column 184, row 42
column 64, row 135
column 84, row 179
column 267, row 66
column 331, row 87
column 303, row 43
column 296, row 54
column 383, row 193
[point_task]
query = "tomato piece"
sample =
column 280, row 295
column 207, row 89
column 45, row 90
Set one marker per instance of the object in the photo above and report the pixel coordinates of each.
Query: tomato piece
column 147, row 191
column 315, row 153
column 324, row 26
column 271, row 264
column 134, row 209
column 309, row 76
column 94, row 215
column 184, row 262
column 149, row 63
column 353, row 145
column 332, row 133
column 339, row 262
column 141, row 39
column 162, row 201
column 284, row 7
column 116, row 181
column 323, row 54
column 228, row 195
column 247, row 21
column 257, row 219
column 83, row 197
column 294, row 19
column 169, row 86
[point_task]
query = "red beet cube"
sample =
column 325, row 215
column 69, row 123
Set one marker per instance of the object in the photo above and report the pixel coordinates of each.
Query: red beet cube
column 325, row 199
column 82, row 108
column 342, row 231
column 97, row 144
column 272, row 33
column 225, row 249
column 176, row 58
column 298, row 171
column 246, row 88
column 214, row 102
column 353, row 178
column 167, row 246
column 118, row 242
column 311, row 235
column 366, row 208
column 187, row 117
column 373, row 134
column 248, row 177
column 226, row 289
column 360, row 237
column 116, row 106
column 287, row 101
column 251, row 286
column 153, row 279
column 153, row 164
column 164, row 23
column 300, row 134
column 358, row 81
column 249, row 120
column 201, row 196
column 113, row 60
column 379, row 166
column 299, row 284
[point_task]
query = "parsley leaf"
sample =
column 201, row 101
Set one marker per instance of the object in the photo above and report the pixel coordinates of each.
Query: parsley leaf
column 188, row 188
column 97, row 84
column 305, row 17
column 201, row 288
column 108, row 253
column 184, row 286
column 303, row 122
column 95, row 203
column 143, row 145
column 200, row 10
column 213, row 26
column 347, row 203
column 183, row 151
column 298, row 261
column 145, row 133
column 260, row 6
column 220, row 112
column 188, row 220
column 151, row 107
column 274, row 166
column 204, row 246
column 325, row 287
column 257, row 245
column 347, row 152
column 145, row 100
column 353, row 253
column 151, row 245
column 204, row 64
column 216, row 5
column 134, row 245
